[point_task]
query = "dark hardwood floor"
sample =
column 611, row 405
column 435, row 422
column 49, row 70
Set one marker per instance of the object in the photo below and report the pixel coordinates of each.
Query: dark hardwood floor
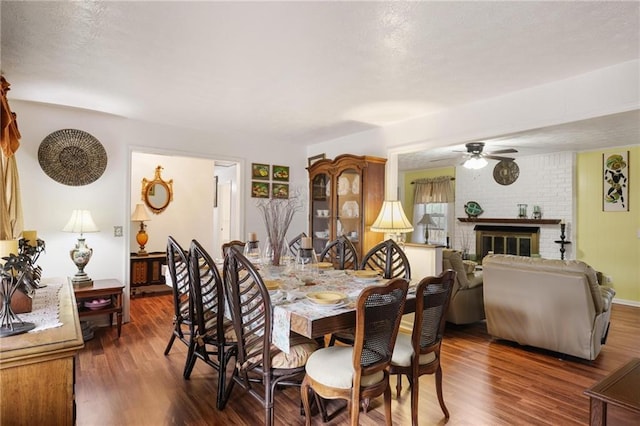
column 128, row 381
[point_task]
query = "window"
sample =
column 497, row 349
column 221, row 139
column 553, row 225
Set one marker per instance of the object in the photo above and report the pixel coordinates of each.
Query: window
column 438, row 217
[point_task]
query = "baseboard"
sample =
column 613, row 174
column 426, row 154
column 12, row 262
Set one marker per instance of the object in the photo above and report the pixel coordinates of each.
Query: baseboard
column 626, row 302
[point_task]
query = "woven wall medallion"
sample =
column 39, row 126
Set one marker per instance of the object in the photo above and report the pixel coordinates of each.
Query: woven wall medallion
column 72, row 157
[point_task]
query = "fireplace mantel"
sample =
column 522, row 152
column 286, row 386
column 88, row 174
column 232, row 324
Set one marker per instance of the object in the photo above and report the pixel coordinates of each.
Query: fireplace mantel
column 510, row 221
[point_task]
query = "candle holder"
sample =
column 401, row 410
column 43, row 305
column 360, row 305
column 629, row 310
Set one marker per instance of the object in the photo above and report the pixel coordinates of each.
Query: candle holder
column 562, row 241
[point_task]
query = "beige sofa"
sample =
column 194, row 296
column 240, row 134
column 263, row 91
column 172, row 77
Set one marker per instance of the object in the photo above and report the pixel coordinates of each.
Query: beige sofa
column 466, row 304
column 546, row 303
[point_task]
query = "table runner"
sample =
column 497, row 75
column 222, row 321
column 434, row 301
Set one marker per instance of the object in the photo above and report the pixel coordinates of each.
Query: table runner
column 45, row 312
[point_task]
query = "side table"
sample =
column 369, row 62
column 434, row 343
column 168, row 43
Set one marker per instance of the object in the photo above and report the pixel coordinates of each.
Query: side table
column 101, row 289
column 620, row 388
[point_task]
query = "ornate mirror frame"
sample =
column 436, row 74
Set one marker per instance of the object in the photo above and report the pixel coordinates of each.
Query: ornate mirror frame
column 157, row 193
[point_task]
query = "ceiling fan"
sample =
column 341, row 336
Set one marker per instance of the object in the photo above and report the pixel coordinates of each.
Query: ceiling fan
column 477, row 159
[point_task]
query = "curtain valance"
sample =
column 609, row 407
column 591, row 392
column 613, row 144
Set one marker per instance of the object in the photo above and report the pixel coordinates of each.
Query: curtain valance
column 434, row 190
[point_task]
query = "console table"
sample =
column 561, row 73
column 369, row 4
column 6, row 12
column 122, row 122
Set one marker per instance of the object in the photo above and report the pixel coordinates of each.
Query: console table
column 100, row 289
column 37, row 369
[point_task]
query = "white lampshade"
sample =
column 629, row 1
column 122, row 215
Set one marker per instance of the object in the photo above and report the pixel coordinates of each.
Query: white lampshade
column 80, row 222
column 139, row 214
column 392, row 219
column 475, row 162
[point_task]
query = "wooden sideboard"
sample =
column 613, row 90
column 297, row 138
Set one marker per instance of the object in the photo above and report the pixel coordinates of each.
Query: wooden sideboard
column 37, row 370
column 146, row 270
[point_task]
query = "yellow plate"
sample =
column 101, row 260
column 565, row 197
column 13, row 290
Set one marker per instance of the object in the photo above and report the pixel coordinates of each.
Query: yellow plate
column 365, row 273
column 326, row 297
column 272, row 284
column 325, row 265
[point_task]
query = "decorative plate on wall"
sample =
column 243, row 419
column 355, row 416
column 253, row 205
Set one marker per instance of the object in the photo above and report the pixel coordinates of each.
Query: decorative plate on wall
column 72, row 157
column 506, row 172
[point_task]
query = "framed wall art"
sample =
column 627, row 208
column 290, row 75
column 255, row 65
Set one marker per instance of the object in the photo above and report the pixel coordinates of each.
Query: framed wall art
column 280, row 173
column 280, row 190
column 615, row 182
column 260, row 189
column 259, row 171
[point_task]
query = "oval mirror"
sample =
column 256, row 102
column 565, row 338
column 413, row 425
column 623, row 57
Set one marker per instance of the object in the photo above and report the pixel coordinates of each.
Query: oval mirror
column 157, row 193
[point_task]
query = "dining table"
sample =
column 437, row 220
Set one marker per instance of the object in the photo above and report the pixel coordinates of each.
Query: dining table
column 296, row 310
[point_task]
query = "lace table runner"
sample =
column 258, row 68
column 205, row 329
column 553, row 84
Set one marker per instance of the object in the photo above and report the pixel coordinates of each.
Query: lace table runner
column 45, row 313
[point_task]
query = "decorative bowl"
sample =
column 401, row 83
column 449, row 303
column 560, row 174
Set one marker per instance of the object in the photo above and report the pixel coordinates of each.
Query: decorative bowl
column 94, row 305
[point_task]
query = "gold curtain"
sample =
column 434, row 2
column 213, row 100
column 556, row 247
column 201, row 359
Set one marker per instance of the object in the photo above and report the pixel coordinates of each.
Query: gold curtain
column 10, row 203
column 434, row 190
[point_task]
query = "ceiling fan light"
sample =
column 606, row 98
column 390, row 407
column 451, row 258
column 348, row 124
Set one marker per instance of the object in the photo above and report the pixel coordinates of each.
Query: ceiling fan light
column 475, row 163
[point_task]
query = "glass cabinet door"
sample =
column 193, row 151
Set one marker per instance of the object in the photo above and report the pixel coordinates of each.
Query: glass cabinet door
column 321, row 216
column 349, row 206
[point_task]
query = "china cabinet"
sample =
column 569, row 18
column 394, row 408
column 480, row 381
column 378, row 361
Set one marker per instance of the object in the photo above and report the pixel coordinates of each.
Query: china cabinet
column 345, row 198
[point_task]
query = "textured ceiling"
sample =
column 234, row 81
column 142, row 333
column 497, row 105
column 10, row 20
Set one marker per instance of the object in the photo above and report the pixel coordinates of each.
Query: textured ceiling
column 301, row 72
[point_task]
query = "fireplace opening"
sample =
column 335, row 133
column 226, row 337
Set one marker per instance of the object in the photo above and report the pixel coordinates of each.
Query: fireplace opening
column 518, row 240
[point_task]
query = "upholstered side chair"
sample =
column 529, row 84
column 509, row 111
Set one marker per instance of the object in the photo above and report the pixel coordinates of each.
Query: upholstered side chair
column 178, row 265
column 360, row 372
column 341, row 253
column 388, row 258
column 419, row 353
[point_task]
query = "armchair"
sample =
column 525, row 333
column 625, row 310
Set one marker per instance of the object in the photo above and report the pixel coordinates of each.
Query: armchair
column 466, row 305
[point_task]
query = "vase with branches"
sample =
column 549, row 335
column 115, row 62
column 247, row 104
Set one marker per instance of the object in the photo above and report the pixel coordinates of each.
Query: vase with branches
column 277, row 214
column 465, row 241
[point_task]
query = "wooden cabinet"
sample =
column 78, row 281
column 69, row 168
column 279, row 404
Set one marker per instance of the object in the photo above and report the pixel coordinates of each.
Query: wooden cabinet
column 147, row 270
column 37, row 369
column 346, row 195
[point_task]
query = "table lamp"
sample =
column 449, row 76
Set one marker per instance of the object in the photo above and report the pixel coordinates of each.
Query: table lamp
column 392, row 220
column 140, row 215
column 81, row 222
column 426, row 221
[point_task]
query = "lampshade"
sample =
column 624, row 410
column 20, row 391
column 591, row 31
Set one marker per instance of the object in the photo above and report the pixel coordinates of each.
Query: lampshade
column 80, row 222
column 426, row 220
column 392, row 219
column 475, row 162
column 139, row 214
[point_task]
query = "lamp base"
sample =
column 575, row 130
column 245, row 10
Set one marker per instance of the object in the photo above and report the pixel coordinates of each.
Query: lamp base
column 81, row 280
column 142, row 252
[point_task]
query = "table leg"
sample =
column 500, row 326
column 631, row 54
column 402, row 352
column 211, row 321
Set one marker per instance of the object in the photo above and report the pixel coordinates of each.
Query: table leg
column 119, row 319
column 597, row 412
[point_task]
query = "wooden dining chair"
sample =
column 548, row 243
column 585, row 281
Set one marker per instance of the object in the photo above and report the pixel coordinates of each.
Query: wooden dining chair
column 419, row 353
column 178, row 265
column 388, row 258
column 261, row 368
column 341, row 253
column 213, row 337
column 234, row 243
column 360, row 372
column 294, row 244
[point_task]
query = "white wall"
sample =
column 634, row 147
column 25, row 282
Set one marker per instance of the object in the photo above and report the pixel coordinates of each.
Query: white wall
column 545, row 180
column 190, row 214
column 48, row 204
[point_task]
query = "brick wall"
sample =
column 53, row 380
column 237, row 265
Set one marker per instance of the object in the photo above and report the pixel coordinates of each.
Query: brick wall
column 545, row 180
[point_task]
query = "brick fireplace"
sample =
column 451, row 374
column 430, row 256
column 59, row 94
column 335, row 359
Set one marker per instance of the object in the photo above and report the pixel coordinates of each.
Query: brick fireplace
column 502, row 239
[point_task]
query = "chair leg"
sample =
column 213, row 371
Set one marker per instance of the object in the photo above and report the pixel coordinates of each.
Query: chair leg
column 439, row 392
column 304, row 395
column 191, row 360
column 387, row 404
column 398, row 385
column 223, row 362
column 168, row 348
column 354, row 408
column 415, row 392
column 332, row 340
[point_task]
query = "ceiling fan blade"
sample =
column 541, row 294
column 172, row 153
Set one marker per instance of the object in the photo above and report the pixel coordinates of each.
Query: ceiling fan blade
column 503, row 151
column 498, row 157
